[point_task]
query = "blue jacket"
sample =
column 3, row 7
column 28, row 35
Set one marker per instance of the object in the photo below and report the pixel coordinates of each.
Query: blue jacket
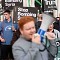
column 7, row 32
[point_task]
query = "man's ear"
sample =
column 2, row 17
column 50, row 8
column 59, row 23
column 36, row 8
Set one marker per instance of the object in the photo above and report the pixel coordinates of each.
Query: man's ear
column 21, row 31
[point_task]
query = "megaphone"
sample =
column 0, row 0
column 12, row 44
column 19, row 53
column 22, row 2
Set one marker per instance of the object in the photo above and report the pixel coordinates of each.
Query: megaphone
column 47, row 20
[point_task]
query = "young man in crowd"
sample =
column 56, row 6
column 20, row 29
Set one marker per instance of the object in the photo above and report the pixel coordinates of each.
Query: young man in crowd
column 7, row 29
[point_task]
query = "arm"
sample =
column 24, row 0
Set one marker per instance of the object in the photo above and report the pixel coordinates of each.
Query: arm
column 52, row 47
column 1, row 39
column 14, row 27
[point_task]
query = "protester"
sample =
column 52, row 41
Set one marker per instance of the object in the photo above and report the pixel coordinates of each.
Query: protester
column 7, row 28
column 16, row 34
column 29, row 46
column 57, row 36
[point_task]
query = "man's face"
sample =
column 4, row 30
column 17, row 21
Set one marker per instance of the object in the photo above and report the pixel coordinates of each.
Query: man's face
column 28, row 30
column 6, row 15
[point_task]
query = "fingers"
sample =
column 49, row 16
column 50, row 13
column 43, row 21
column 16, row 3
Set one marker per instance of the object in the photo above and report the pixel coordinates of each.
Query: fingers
column 13, row 28
column 50, row 35
column 36, row 38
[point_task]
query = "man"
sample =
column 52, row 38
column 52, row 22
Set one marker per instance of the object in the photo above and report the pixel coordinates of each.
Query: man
column 39, row 21
column 29, row 46
column 57, row 24
column 7, row 28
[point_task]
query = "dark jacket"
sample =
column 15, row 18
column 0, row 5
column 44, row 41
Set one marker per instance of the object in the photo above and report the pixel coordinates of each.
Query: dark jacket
column 16, row 35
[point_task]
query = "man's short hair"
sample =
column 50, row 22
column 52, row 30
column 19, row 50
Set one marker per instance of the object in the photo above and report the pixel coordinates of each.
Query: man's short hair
column 8, row 11
column 25, row 19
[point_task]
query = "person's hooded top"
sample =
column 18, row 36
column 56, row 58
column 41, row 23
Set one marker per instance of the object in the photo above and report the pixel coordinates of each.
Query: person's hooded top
column 6, row 31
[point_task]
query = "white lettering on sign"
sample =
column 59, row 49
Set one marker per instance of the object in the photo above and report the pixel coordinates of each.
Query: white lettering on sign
column 50, row 2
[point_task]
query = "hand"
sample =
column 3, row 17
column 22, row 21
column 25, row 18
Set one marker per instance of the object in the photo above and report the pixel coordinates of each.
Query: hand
column 1, row 39
column 13, row 28
column 36, row 38
column 50, row 35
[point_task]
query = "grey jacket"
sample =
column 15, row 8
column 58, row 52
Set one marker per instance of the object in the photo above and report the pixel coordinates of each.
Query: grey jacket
column 25, row 50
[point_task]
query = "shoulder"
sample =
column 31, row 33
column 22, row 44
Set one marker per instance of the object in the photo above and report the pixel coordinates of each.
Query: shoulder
column 56, row 31
column 16, row 45
column 20, row 42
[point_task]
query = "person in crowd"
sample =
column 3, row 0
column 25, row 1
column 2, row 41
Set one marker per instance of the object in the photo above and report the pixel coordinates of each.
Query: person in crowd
column 29, row 46
column 39, row 21
column 56, row 32
column 7, row 28
column 16, row 34
column 57, row 24
column 57, row 36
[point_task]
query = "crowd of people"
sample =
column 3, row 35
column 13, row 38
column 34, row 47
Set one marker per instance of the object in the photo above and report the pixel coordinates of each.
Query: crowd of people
column 19, row 43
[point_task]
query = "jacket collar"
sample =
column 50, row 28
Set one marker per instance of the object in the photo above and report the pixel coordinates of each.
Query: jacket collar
column 7, row 21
